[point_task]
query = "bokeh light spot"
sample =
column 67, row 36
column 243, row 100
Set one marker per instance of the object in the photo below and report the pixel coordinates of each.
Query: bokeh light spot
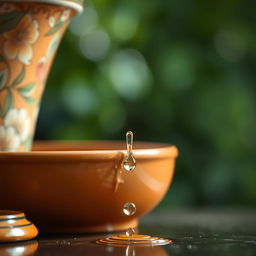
column 84, row 23
column 95, row 45
column 130, row 75
column 79, row 99
column 124, row 23
column 229, row 45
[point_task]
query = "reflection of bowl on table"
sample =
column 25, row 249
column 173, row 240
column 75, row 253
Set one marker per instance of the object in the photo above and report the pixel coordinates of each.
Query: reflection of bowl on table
column 69, row 186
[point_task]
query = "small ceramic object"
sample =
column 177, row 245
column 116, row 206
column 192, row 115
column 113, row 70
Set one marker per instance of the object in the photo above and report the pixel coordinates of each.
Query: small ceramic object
column 15, row 227
column 30, row 32
column 72, row 186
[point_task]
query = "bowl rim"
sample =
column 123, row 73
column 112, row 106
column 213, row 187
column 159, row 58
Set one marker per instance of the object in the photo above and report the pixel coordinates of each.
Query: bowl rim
column 76, row 5
column 59, row 150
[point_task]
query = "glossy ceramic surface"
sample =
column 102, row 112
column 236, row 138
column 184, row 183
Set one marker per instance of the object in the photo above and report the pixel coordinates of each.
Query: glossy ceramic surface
column 77, row 5
column 30, row 32
column 15, row 227
column 82, row 187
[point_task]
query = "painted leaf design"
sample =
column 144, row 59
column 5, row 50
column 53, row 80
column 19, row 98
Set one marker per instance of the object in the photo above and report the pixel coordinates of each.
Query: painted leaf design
column 3, row 77
column 8, row 102
column 29, row 100
column 54, row 29
column 27, row 89
column 9, row 20
column 53, row 45
column 20, row 77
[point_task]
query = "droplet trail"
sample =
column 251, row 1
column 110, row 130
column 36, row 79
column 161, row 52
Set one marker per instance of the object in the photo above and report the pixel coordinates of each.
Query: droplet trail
column 129, row 161
column 131, row 239
column 129, row 138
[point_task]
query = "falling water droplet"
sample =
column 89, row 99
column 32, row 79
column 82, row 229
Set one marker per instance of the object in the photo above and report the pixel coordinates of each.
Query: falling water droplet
column 129, row 161
column 129, row 209
column 131, row 239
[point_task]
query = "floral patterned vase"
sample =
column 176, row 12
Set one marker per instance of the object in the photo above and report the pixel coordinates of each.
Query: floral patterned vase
column 30, row 32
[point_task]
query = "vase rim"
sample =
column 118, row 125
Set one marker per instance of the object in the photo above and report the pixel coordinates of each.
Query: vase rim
column 77, row 5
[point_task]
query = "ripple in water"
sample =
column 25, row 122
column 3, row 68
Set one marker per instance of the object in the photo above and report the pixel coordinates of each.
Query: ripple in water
column 136, row 240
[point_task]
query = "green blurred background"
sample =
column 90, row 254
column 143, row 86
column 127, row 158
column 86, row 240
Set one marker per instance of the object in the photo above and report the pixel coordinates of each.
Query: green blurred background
column 176, row 71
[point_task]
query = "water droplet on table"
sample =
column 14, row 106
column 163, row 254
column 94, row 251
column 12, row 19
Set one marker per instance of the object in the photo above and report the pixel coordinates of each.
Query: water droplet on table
column 130, row 232
column 134, row 240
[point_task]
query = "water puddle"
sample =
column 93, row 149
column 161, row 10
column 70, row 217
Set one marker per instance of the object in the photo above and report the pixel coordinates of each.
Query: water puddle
column 135, row 240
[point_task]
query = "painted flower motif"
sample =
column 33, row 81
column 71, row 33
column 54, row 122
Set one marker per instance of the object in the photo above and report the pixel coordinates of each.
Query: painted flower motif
column 9, row 139
column 19, row 40
column 51, row 21
column 41, row 69
column 6, row 7
column 65, row 15
column 42, row 65
column 20, row 121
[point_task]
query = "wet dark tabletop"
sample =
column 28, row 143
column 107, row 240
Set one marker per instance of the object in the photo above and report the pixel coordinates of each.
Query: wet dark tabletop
column 204, row 232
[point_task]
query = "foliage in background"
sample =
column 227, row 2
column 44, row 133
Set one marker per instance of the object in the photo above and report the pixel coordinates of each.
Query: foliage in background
column 179, row 72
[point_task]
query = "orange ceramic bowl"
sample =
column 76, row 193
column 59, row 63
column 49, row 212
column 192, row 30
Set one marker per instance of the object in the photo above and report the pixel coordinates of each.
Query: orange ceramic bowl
column 77, row 186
